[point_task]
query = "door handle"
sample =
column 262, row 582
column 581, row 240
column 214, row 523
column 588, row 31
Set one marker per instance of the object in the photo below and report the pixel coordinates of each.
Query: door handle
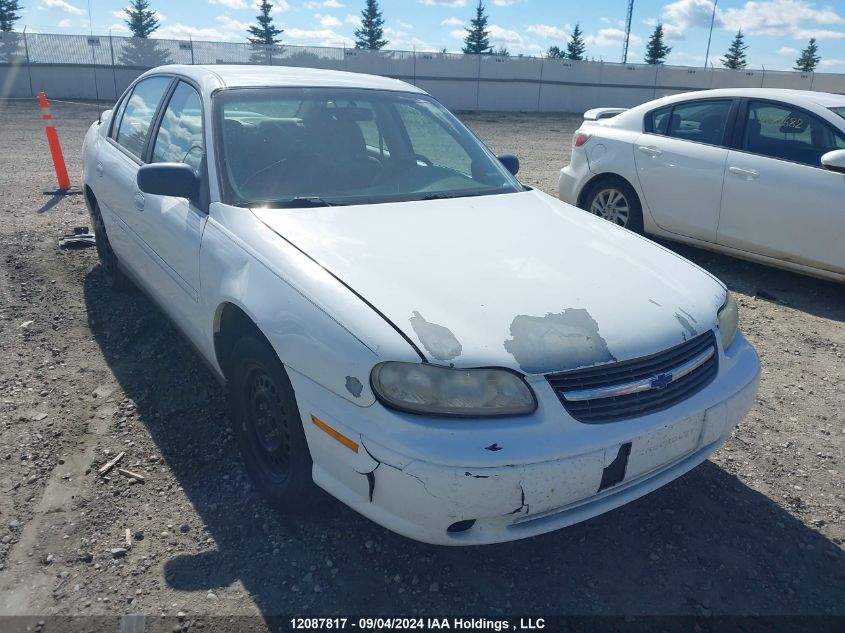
column 139, row 201
column 650, row 151
column 748, row 174
column 99, row 169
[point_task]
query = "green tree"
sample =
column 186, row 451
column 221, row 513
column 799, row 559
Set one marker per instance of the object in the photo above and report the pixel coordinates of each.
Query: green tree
column 576, row 46
column 735, row 57
column 140, row 19
column 369, row 35
column 8, row 14
column 656, row 50
column 477, row 39
column 809, row 57
column 265, row 32
column 502, row 51
column 555, row 53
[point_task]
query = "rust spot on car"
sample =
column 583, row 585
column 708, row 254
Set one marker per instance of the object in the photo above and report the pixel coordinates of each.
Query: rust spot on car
column 437, row 340
column 557, row 342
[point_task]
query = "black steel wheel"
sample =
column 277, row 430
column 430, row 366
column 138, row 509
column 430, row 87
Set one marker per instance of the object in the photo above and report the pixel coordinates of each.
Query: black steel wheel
column 267, row 423
column 105, row 253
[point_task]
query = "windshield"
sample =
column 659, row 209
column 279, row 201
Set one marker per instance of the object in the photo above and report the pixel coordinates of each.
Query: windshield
column 294, row 147
column 839, row 111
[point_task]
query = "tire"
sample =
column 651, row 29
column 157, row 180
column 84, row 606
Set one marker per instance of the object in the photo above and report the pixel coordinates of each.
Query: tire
column 268, row 426
column 105, row 253
column 616, row 201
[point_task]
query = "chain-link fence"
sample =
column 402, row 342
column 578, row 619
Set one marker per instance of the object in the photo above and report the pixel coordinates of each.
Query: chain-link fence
column 100, row 67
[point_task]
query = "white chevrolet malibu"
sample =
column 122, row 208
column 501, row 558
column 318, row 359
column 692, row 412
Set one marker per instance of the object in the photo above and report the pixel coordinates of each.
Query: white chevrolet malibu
column 395, row 317
column 756, row 173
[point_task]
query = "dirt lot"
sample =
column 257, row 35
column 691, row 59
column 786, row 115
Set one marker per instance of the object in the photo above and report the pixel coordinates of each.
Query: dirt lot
column 86, row 374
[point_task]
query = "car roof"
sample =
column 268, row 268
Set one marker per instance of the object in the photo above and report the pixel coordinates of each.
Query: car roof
column 212, row 77
column 825, row 99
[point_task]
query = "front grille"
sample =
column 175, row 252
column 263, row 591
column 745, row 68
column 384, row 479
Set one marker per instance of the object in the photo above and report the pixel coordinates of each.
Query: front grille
column 636, row 376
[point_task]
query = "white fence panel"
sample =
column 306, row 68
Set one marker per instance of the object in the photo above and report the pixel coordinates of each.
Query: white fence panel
column 828, row 82
column 781, row 79
column 509, row 83
column 569, row 86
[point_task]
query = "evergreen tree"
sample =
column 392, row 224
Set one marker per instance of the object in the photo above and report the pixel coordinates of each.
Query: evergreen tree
column 140, row 19
column 576, row 46
column 555, row 53
column 265, row 31
column 140, row 51
column 735, row 57
column 477, row 40
column 8, row 14
column 369, row 35
column 809, row 58
column 656, row 50
column 502, row 51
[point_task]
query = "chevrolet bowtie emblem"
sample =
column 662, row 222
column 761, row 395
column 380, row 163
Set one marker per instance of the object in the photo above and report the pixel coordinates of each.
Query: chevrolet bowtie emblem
column 660, row 381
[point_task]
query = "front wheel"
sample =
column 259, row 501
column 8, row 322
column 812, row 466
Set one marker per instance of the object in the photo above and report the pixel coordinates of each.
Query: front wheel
column 616, row 201
column 267, row 424
column 106, row 254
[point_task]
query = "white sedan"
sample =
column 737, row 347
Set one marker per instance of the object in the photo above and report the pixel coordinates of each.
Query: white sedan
column 395, row 317
column 754, row 173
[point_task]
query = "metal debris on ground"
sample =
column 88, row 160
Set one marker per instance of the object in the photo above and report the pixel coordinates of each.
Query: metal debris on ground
column 80, row 238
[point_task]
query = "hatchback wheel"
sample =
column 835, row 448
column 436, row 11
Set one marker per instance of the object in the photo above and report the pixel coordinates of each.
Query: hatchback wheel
column 615, row 201
column 267, row 424
column 105, row 253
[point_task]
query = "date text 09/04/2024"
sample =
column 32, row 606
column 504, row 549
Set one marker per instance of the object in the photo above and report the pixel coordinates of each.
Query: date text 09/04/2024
column 419, row 624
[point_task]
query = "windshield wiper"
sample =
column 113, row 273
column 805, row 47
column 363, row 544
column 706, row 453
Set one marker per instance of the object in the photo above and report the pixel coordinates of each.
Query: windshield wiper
column 460, row 194
column 299, row 202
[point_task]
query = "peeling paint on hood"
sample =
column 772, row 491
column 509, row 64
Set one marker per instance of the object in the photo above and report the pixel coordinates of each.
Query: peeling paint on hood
column 462, row 276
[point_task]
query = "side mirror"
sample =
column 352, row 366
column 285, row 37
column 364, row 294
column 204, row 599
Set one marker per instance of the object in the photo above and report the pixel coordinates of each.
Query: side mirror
column 835, row 161
column 169, row 179
column 510, row 162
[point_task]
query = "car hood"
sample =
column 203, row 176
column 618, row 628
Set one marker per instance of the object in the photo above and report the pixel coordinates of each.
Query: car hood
column 517, row 280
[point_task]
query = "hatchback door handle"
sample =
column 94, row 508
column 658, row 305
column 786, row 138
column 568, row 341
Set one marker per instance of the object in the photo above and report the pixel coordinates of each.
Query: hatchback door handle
column 748, row 174
column 650, row 151
column 139, row 201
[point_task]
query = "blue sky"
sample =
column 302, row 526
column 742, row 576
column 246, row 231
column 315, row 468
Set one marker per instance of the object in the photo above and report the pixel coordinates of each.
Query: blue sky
column 775, row 29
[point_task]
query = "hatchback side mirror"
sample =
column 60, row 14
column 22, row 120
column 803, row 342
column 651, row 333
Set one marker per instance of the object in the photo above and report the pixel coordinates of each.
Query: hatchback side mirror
column 510, row 162
column 169, row 179
column 834, row 161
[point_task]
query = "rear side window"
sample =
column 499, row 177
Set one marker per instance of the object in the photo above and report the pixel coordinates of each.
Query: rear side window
column 139, row 112
column 179, row 138
column 779, row 131
column 698, row 121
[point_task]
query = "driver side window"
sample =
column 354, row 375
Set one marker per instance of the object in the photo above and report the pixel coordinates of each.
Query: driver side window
column 179, row 138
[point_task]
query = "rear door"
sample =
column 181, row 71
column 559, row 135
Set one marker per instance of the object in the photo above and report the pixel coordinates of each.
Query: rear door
column 681, row 165
column 121, row 202
column 778, row 200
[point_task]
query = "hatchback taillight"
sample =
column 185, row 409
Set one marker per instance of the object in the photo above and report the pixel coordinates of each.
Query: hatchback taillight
column 581, row 138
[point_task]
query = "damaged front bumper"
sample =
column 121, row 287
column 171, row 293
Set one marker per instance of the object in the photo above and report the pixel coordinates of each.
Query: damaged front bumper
column 507, row 493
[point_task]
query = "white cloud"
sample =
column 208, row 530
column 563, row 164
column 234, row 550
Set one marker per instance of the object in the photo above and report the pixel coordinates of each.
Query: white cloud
column 611, row 37
column 832, row 63
column 457, row 34
column 279, row 6
column 319, row 37
column 546, row 31
column 119, row 27
column 506, row 3
column 500, row 36
column 454, row 4
column 61, row 5
column 787, row 50
column 228, row 30
column 354, row 20
column 332, row 4
column 452, row 22
column 231, row 4
column 64, row 24
column 328, row 21
column 405, row 25
column 686, row 14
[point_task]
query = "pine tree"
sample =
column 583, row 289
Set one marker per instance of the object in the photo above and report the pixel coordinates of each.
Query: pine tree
column 502, row 51
column 735, row 57
column 140, row 19
column 265, row 31
column 656, row 50
column 809, row 58
column 576, row 46
column 8, row 14
column 369, row 35
column 555, row 53
column 477, row 40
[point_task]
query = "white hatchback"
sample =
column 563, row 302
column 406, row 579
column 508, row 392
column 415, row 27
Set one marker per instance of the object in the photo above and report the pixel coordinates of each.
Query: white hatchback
column 755, row 173
column 395, row 317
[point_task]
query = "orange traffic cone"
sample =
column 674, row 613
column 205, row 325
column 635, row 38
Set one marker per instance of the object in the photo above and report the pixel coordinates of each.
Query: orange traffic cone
column 55, row 151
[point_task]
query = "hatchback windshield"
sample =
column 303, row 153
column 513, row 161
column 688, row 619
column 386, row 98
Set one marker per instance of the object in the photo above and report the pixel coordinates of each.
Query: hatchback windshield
column 291, row 147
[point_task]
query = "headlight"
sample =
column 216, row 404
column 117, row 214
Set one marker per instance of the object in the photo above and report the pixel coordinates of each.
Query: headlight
column 435, row 390
column 728, row 321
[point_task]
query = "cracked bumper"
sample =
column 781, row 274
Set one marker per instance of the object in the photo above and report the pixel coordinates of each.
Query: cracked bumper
column 420, row 498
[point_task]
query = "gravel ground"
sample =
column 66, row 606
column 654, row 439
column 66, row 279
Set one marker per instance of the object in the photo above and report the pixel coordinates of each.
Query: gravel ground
column 87, row 373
